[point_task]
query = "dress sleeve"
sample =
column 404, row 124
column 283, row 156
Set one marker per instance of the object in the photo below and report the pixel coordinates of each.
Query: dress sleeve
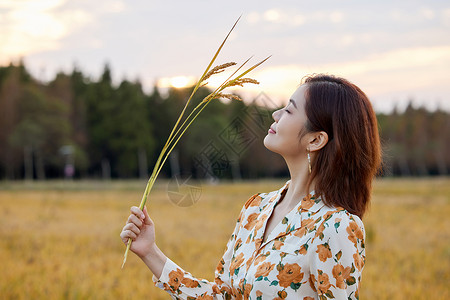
column 337, row 257
column 183, row 285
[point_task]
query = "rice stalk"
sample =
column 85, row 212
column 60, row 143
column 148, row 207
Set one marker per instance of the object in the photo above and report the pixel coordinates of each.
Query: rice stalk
column 178, row 130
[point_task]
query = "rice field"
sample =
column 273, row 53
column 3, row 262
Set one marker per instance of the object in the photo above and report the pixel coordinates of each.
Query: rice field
column 60, row 240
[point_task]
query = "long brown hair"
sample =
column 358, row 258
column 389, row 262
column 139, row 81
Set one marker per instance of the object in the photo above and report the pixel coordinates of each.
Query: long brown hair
column 344, row 169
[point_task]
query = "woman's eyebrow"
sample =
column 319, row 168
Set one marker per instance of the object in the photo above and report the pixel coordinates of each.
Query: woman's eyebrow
column 293, row 103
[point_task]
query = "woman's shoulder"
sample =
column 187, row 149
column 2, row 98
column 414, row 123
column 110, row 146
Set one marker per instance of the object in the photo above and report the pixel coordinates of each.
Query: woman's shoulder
column 262, row 199
column 337, row 220
column 330, row 212
column 258, row 200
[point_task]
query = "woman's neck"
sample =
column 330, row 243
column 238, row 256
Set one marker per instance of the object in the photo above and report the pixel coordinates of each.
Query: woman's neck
column 298, row 187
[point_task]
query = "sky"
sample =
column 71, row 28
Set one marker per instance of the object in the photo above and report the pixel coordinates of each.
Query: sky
column 396, row 51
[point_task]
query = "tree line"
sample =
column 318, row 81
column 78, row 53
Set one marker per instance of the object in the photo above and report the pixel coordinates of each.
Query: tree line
column 78, row 127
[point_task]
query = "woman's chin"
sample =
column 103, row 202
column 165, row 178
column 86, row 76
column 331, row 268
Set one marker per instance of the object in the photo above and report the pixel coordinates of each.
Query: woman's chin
column 268, row 144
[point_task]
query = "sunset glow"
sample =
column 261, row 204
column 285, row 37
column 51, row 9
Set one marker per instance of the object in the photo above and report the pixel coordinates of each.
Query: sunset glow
column 176, row 81
column 179, row 81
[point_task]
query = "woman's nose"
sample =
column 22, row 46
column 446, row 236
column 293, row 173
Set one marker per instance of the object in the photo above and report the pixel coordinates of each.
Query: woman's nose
column 276, row 115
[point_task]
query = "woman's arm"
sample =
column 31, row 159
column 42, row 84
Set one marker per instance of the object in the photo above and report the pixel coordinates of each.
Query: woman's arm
column 168, row 275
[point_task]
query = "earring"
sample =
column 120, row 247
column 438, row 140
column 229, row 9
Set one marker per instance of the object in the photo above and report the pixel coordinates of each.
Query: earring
column 309, row 161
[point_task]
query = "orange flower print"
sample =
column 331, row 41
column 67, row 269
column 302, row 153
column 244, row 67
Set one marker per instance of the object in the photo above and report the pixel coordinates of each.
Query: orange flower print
column 259, row 224
column 205, row 297
column 237, row 244
column 241, row 284
column 258, row 243
column 319, row 231
column 354, row 232
column 167, row 287
column 190, row 283
column 219, row 268
column 308, row 298
column 240, row 218
column 254, row 198
column 237, row 295
column 260, row 258
column 175, row 278
column 305, row 226
column 341, row 274
column 307, row 202
column 236, row 262
column 324, row 252
column 359, row 261
column 312, row 282
column 247, row 289
column 225, row 290
column 264, row 269
column 281, row 295
column 300, row 232
column 303, row 249
column 218, row 281
column 277, row 245
column 323, row 283
column 308, row 223
column 251, row 221
column 256, row 201
column 328, row 214
column 290, row 273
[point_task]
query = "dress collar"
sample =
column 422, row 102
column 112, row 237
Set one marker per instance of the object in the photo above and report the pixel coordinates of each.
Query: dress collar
column 310, row 202
column 293, row 220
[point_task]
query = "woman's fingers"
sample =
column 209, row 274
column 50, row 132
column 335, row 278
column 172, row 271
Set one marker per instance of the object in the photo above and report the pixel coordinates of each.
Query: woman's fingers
column 134, row 220
column 127, row 234
column 137, row 212
column 147, row 219
column 130, row 230
column 133, row 228
column 141, row 215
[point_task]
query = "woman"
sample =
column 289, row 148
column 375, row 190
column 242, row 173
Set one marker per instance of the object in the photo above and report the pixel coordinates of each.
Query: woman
column 306, row 240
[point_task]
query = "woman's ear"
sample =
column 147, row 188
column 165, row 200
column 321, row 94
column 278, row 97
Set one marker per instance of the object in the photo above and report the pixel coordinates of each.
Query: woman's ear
column 318, row 140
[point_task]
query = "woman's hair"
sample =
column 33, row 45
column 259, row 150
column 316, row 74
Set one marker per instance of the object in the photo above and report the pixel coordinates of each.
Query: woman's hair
column 344, row 169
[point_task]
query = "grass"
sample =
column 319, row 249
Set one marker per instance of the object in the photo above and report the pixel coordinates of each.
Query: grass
column 60, row 240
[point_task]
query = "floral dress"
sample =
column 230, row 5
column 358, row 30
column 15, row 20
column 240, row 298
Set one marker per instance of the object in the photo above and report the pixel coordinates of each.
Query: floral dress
column 315, row 252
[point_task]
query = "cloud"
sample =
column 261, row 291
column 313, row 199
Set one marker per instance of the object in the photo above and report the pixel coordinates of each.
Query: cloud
column 115, row 6
column 445, row 17
column 399, row 72
column 30, row 26
column 272, row 15
column 294, row 18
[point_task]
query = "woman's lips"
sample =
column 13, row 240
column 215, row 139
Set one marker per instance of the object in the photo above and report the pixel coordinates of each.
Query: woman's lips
column 272, row 131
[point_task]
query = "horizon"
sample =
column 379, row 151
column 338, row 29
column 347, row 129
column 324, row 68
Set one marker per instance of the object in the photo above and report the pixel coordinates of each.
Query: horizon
column 248, row 96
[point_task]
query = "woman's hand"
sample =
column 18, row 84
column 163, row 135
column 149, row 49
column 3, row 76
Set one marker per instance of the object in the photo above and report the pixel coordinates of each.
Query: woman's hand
column 140, row 228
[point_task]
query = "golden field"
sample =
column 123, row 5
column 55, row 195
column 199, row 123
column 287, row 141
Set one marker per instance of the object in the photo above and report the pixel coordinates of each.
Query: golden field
column 60, row 240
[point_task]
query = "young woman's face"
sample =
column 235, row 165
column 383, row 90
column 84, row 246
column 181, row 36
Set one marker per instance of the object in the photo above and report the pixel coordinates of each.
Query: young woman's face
column 284, row 134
